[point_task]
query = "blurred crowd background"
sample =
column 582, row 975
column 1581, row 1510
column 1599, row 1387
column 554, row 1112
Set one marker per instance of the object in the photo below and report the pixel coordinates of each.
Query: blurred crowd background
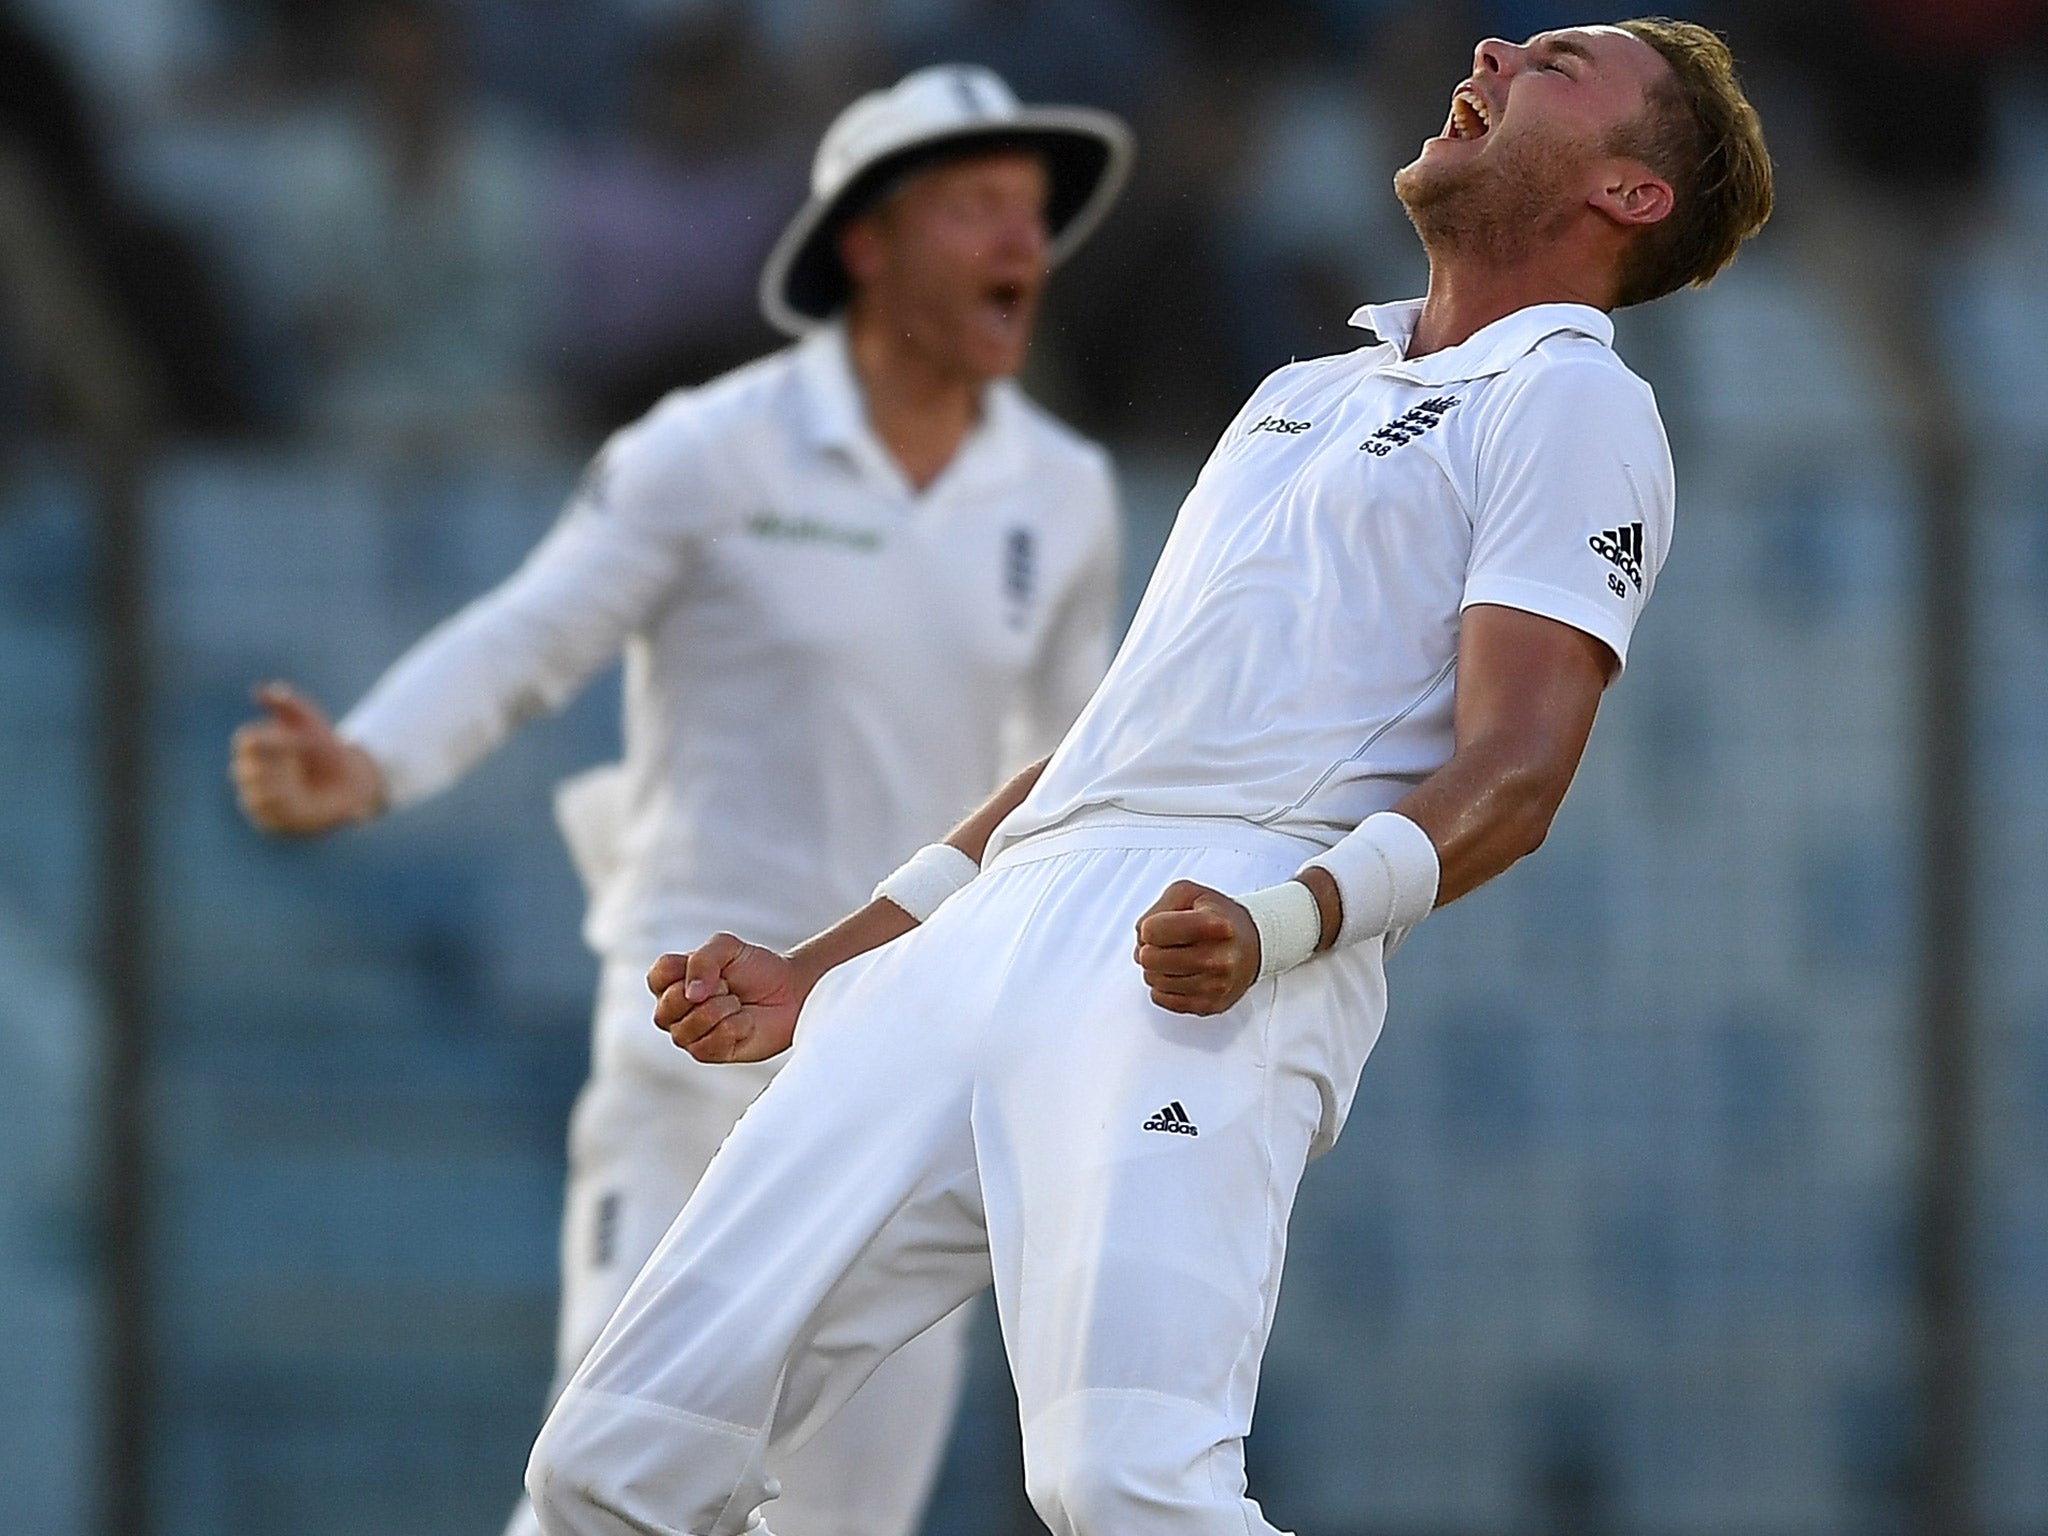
column 1700, row 1183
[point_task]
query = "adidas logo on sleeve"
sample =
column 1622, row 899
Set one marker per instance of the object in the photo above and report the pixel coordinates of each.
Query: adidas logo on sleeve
column 1622, row 547
column 1174, row 1120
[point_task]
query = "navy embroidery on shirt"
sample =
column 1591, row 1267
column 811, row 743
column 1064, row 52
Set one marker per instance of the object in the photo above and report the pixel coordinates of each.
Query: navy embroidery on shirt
column 1409, row 425
column 1020, row 573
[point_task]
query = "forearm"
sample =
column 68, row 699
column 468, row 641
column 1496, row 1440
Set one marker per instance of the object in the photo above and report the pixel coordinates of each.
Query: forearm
column 1479, row 821
column 454, row 698
column 972, row 835
column 870, row 928
column 519, row 651
column 1484, row 810
column 881, row 920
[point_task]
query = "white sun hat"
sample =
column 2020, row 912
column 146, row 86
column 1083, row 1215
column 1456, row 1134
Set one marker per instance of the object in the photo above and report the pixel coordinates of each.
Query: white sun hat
column 930, row 115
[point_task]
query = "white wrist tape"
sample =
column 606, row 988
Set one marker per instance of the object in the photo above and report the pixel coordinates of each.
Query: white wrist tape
column 921, row 884
column 1290, row 925
column 1386, row 871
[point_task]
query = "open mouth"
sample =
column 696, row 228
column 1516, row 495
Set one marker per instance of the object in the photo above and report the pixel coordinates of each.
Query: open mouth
column 1471, row 114
column 1005, row 298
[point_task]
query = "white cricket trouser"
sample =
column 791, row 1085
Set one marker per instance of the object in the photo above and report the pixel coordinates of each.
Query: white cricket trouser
column 644, row 1129
column 993, row 1094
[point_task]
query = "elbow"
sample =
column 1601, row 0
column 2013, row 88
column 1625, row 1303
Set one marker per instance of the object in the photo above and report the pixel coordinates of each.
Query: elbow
column 1531, row 800
column 1527, row 832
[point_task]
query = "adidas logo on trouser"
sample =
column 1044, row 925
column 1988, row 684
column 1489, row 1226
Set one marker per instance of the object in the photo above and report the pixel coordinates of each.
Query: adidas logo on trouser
column 1174, row 1119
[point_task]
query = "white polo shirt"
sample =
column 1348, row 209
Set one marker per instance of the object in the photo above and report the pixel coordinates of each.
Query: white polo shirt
column 1292, row 664
column 824, row 669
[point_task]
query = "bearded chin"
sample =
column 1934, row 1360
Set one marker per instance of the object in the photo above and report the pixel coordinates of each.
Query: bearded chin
column 1495, row 212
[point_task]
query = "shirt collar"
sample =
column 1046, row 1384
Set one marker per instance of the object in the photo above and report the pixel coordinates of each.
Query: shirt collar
column 1489, row 350
column 835, row 415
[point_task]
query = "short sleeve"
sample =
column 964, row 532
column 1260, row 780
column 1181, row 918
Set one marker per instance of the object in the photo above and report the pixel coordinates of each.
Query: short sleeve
column 1574, row 500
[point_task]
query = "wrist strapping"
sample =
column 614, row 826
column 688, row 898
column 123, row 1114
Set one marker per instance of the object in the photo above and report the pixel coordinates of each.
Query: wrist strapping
column 1386, row 870
column 921, row 884
column 1290, row 925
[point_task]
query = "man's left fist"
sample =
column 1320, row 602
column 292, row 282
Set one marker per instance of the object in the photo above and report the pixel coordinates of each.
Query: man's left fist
column 1198, row 949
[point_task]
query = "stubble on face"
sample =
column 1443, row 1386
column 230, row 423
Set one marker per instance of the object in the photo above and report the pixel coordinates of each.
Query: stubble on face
column 1496, row 208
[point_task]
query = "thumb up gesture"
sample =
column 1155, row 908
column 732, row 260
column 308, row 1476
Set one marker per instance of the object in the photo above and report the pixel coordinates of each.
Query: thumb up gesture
column 294, row 775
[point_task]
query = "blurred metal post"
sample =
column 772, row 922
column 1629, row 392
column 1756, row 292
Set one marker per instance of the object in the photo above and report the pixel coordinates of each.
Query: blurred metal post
column 107, row 386
column 1945, row 1220
column 1886, row 249
column 123, row 929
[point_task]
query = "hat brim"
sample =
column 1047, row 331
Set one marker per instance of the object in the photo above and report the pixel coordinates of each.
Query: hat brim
column 1087, row 156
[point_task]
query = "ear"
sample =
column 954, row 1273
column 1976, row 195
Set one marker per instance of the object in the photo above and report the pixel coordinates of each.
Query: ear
column 1633, row 196
column 860, row 249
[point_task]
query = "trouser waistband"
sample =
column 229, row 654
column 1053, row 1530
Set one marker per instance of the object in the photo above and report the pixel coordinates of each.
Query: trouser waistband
column 1123, row 831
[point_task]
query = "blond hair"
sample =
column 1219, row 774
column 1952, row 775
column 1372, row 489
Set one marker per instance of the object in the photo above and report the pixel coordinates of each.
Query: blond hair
column 1697, row 131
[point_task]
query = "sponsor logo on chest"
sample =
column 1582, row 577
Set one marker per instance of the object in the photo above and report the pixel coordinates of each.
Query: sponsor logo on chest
column 813, row 530
column 1280, row 425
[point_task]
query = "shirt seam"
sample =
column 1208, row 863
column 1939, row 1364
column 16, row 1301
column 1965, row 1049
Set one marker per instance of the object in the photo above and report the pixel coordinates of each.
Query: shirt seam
column 1366, row 746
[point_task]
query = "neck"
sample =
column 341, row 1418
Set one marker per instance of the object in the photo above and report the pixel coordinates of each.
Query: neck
column 920, row 409
column 1465, row 297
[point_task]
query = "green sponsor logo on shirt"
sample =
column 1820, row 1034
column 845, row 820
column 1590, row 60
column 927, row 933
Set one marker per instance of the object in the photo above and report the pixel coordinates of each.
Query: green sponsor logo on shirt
column 809, row 530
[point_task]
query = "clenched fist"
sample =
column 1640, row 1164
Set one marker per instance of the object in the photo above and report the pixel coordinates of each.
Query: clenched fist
column 1198, row 949
column 294, row 775
column 727, row 1000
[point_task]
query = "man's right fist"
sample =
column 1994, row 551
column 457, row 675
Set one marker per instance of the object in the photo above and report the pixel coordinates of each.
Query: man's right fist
column 727, row 1000
column 294, row 775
